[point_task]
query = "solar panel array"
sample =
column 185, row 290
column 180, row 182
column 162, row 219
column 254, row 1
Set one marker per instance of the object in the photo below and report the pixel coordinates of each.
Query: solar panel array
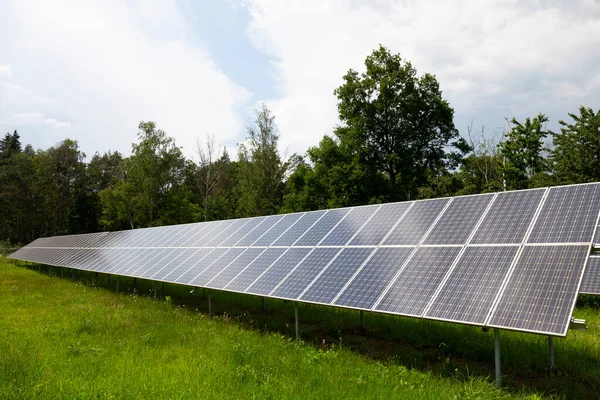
column 510, row 260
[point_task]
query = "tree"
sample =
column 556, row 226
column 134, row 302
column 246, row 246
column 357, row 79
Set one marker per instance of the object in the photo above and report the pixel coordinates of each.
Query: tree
column 261, row 169
column 152, row 192
column 213, row 161
column 10, row 145
column 398, row 123
column 523, row 152
column 577, row 153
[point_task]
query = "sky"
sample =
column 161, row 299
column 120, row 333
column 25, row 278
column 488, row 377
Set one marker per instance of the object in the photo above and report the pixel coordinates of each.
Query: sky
column 92, row 70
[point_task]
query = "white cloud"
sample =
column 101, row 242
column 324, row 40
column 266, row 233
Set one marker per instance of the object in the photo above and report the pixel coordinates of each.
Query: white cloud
column 492, row 59
column 101, row 67
column 5, row 71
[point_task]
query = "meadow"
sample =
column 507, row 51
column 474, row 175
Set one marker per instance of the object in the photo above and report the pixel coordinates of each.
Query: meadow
column 63, row 336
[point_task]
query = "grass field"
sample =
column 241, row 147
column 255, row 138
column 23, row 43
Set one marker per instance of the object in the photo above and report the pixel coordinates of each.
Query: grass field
column 64, row 339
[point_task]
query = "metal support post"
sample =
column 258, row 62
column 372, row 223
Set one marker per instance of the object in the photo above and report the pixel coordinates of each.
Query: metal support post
column 362, row 319
column 551, row 351
column 297, row 322
column 209, row 304
column 497, row 354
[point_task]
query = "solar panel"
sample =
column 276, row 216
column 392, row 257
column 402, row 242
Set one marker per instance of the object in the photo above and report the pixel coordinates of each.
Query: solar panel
column 597, row 237
column 347, row 227
column 416, row 222
column 245, row 278
column 277, row 230
column 252, row 225
column 230, row 229
column 376, row 274
column 298, row 279
column 217, row 266
column 418, row 281
column 590, row 283
column 189, row 267
column 225, row 276
column 540, row 294
column 377, row 228
column 327, row 285
column 299, row 228
column 323, row 226
column 512, row 260
column 569, row 215
column 470, row 290
column 264, row 227
column 458, row 220
column 176, row 265
column 509, row 217
column 277, row 271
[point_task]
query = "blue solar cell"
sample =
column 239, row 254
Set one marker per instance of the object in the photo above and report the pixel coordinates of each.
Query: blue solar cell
column 333, row 279
column 591, row 277
column 178, row 258
column 277, row 230
column 248, row 229
column 239, row 264
column 416, row 222
column 299, row 228
column 277, row 271
column 198, row 263
column 318, row 231
column 412, row 290
column 295, row 283
column 189, row 267
column 381, row 223
column 458, row 220
column 473, row 285
column 260, row 230
column 217, row 266
column 347, row 228
column 373, row 278
column 569, row 215
column 245, row 278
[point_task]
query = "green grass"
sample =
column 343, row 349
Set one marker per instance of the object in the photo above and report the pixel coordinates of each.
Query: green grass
column 63, row 339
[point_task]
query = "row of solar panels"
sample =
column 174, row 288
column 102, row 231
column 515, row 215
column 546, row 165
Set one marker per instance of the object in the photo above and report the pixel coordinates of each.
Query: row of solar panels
column 568, row 215
column 474, row 259
column 446, row 283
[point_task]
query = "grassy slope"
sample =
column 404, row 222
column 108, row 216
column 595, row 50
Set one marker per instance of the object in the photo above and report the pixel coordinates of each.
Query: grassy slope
column 62, row 339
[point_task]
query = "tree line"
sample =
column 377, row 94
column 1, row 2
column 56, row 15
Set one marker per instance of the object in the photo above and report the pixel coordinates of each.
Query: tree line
column 396, row 141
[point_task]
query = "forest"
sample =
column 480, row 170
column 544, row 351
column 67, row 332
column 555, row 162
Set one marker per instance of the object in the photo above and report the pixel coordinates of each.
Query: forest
column 395, row 141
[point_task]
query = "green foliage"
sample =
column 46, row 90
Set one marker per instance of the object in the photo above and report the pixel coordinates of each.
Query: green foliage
column 261, row 169
column 397, row 123
column 577, row 153
column 152, row 192
column 523, row 152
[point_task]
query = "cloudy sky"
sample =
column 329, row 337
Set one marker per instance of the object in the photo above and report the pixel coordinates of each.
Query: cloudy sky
column 92, row 70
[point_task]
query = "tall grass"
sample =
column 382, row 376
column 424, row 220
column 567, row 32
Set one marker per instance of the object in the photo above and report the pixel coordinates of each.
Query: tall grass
column 68, row 339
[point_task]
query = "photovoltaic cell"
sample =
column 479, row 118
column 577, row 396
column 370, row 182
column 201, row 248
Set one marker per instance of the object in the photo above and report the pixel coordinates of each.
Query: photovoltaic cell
column 333, row 279
column 569, row 214
column 344, row 231
column 591, row 277
column 597, row 238
column 178, row 259
column 473, row 285
column 260, row 230
column 384, row 219
column 458, row 220
column 410, row 293
column 133, row 265
column 155, row 264
column 198, row 233
column 540, row 294
column 416, row 222
column 373, row 278
column 509, row 217
column 209, row 233
column 231, row 228
column 278, row 271
column 299, row 228
column 180, row 234
column 272, row 234
column 253, row 271
column 236, row 266
column 190, row 267
column 217, row 266
column 247, row 229
column 318, row 231
column 295, row 283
